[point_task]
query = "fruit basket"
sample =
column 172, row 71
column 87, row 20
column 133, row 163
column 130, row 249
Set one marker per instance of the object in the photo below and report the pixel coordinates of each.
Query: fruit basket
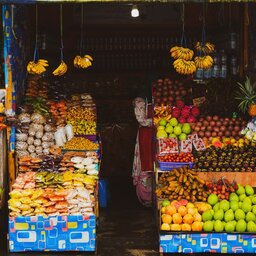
column 167, row 166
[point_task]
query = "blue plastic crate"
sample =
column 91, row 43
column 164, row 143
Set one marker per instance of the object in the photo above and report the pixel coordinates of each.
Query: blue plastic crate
column 167, row 166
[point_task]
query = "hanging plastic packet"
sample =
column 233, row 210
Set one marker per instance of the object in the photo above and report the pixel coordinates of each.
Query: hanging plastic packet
column 59, row 138
column 69, row 131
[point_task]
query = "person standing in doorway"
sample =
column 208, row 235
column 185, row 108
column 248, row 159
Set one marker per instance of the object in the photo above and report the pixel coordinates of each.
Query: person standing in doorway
column 143, row 156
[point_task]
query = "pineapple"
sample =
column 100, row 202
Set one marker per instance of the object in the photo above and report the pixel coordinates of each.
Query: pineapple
column 247, row 97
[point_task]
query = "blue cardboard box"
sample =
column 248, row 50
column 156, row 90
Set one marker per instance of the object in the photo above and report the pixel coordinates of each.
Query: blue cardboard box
column 54, row 233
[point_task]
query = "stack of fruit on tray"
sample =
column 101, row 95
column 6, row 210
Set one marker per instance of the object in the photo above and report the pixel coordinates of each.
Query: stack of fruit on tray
column 215, row 126
column 227, row 159
column 81, row 114
column 185, row 114
column 181, row 183
column 222, row 187
column 182, row 215
column 167, row 91
column 235, row 213
column 172, row 129
column 60, row 185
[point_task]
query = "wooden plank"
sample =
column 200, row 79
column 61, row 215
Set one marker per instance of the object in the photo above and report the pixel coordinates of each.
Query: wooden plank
column 243, row 178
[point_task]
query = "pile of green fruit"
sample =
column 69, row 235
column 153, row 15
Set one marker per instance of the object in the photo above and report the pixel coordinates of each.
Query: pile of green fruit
column 238, row 214
column 173, row 129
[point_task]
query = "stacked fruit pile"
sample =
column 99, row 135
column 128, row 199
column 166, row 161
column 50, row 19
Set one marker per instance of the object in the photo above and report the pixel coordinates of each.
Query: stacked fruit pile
column 222, row 188
column 185, row 114
column 235, row 214
column 215, row 126
column 173, row 129
column 167, row 91
column 81, row 114
column 182, row 215
column 181, row 183
column 227, row 159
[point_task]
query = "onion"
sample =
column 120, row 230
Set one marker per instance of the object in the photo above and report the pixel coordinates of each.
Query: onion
column 201, row 134
column 227, row 133
column 236, row 128
column 203, row 128
column 214, row 134
column 177, row 93
column 230, row 128
column 226, row 119
column 209, row 118
column 216, row 129
column 201, row 119
column 234, row 133
column 207, row 134
column 212, row 124
column 222, row 128
column 237, row 122
column 215, row 118
column 220, row 134
column 225, row 123
column 221, row 119
column 209, row 128
column 199, row 124
column 197, row 129
column 218, row 123
column 205, row 123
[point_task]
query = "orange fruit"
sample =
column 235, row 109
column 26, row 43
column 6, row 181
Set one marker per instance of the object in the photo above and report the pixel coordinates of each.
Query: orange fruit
column 188, row 219
column 177, row 218
column 175, row 227
column 185, row 227
column 197, row 226
column 182, row 210
column 166, row 218
column 170, row 209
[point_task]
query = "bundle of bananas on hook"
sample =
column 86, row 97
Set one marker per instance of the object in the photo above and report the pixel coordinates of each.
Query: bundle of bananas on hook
column 37, row 67
column 178, row 52
column 204, row 62
column 61, row 69
column 83, row 62
column 206, row 48
column 184, row 67
column 183, row 63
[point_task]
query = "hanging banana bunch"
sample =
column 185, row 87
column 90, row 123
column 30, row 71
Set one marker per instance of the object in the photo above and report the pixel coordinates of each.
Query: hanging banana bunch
column 37, row 66
column 62, row 68
column 204, row 60
column 183, row 63
column 206, row 48
column 79, row 60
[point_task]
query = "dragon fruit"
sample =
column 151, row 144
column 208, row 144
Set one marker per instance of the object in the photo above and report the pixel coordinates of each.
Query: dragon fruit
column 195, row 111
column 182, row 120
column 185, row 112
column 176, row 112
column 180, row 104
column 191, row 119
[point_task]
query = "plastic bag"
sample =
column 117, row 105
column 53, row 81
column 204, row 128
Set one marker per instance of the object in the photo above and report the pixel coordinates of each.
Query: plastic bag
column 69, row 131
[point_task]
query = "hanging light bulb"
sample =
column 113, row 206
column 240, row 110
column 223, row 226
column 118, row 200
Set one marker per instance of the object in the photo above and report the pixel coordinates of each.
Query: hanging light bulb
column 135, row 11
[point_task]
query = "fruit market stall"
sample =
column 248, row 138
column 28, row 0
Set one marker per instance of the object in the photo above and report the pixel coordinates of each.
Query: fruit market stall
column 204, row 174
column 55, row 193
